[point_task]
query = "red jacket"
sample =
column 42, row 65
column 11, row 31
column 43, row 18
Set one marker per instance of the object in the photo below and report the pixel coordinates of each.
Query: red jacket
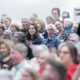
column 71, row 70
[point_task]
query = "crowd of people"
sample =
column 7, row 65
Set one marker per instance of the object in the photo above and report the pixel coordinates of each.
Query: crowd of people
column 40, row 50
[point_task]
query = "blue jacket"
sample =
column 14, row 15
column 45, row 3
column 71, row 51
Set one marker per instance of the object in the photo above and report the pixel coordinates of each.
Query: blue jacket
column 50, row 43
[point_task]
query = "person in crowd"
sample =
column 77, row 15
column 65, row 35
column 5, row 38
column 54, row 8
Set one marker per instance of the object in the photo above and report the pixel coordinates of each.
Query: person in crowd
column 8, row 23
column 1, row 31
column 19, row 37
column 20, row 63
column 51, row 41
column 54, row 70
column 5, row 75
column 40, row 27
column 75, row 27
column 73, row 38
column 50, row 20
column 56, row 13
column 68, row 55
column 65, row 14
column 76, row 75
column 33, row 37
column 25, row 25
column 42, row 58
column 7, row 35
column 15, row 28
column 62, row 34
column 30, row 74
column 5, row 47
column 68, row 25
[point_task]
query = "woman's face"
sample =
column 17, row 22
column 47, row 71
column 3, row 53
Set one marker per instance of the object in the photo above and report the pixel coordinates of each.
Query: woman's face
column 13, row 29
column 42, row 60
column 32, row 30
column 4, row 50
column 65, row 55
column 38, row 25
column 15, row 38
column 50, row 73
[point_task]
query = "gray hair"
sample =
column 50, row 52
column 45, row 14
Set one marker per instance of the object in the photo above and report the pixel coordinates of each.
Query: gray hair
column 22, row 48
column 5, row 75
column 42, row 48
column 53, row 27
column 77, row 38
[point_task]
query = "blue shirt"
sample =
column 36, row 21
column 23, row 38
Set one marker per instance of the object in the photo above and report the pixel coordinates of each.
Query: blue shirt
column 50, row 43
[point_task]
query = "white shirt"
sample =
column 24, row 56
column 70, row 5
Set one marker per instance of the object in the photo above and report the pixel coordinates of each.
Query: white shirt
column 17, row 71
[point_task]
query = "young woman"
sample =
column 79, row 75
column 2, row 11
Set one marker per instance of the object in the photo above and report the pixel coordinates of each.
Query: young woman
column 33, row 35
column 5, row 47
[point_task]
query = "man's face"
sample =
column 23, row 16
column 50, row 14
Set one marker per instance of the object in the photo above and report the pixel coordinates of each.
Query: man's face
column 50, row 31
column 15, row 56
column 55, row 14
column 50, row 73
column 25, row 23
column 65, row 15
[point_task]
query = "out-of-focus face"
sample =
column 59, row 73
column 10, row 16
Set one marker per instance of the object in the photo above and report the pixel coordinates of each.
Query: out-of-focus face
column 42, row 60
column 26, row 76
column 50, row 31
column 55, row 14
column 15, row 38
column 50, row 73
column 4, row 50
column 65, row 15
column 6, row 35
column 13, row 29
column 38, row 25
column 72, row 40
column 65, row 55
column 25, row 23
column 32, row 30
column 7, row 22
column 59, row 26
column 15, row 56
column 67, row 24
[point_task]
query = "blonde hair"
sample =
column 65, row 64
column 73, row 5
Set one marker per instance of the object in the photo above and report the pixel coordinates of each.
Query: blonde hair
column 41, row 22
column 33, row 74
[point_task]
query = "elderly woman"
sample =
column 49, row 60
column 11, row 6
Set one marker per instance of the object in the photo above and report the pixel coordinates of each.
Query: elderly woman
column 19, row 37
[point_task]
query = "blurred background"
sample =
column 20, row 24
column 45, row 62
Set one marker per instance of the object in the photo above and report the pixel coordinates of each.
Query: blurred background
column 18, row 9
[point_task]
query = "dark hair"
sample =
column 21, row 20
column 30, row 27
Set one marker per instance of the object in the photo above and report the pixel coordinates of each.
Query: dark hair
column 58, row 10
column 61, row 69
column 35, row 35
column 78, row 30
column 73, row 52
column 2, row 27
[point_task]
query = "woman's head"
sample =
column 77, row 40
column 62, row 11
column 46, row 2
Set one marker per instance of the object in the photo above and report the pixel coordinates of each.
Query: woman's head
column 32, row 32
column 15, row 28
column 19, row 37
column 68, row 54
column 32, row 29
column 30, row 74
column 5, row 49
column 40, row 25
